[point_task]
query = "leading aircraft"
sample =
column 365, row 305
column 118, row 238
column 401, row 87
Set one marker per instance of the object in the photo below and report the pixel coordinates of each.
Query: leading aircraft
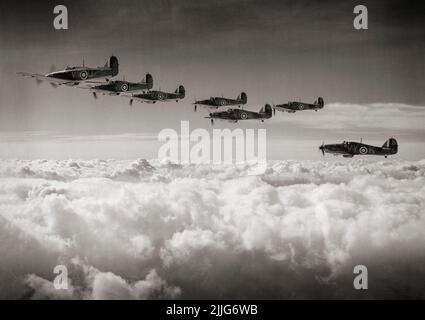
column 234, row 115
column 116, row 87
column 349, row 149
column 293, row 106
column 72, row 76
column 216, row 102
column 161, row 96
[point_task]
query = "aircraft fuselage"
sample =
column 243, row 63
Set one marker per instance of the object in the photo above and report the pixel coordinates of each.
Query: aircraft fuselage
column 349, row 149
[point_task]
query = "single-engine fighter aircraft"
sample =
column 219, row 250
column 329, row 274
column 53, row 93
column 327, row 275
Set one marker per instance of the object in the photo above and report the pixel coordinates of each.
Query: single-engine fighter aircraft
column 116, row 87
column 292, row 106
column 72, row 76
column 154, row 96
column 349, row 149
column 234, row 115
column 216, row 102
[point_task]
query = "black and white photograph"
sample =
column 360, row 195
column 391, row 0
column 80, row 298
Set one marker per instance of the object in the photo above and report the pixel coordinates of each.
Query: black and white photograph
column 212, row 150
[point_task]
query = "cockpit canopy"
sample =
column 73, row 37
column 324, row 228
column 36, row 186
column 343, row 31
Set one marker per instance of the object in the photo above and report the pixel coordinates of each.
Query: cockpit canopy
column 70, row 68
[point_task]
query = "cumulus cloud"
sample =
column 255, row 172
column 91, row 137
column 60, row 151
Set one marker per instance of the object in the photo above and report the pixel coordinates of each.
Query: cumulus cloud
column 150, row 230
column 90, row 283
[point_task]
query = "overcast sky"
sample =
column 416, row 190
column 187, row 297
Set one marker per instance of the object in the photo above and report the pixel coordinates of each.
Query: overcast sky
column 274, row 50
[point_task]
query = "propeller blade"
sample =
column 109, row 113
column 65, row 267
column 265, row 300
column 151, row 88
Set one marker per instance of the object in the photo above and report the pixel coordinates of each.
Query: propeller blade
column 194, row 108
column 95, row 95
column 212, row 122
column 322, row 148
column 131, row 102
column 274, row 111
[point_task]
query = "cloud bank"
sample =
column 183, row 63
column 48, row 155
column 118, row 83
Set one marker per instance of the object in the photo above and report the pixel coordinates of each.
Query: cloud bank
column 401, row 120
column 154, row 230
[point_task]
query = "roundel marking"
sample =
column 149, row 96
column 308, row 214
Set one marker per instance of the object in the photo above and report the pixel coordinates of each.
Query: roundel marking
column 244, row 115
column 222, row 102
column 83, row 75
column 363, row 150
column 124, row 87
column 301, row 107
column 160, row 96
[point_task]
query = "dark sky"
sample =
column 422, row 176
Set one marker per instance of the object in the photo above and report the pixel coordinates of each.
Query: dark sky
column 274, row 50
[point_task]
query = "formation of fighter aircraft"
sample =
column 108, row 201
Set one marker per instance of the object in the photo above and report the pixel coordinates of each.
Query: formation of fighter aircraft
column 293, row 106
column 216, row 102
column 349, row 149
column 73, row 76
column 161, row 96
column 83, row 77
column 235, row 115
column 116, row 87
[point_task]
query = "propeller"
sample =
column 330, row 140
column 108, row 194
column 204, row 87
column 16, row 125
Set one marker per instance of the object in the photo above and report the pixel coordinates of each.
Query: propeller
column 195, row 107
column 95, row 95
column 212, row 121
column 131, row 102
column 322, row 148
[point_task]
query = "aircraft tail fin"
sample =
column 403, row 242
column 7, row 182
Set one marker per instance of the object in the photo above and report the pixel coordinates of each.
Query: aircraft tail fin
column 392, row 144
column 114, row 65
column 267, row 110
column 320, row 102
column 149, row 80
column 243, row 97
column 181, row 91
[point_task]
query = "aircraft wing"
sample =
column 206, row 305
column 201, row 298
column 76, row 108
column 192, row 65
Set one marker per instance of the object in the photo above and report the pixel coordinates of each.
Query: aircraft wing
column 151, row 100
column 282, row 106
column 129, row 96
column 92, row 89
column 40, row 77
column 96, row 82
column 132, row 97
